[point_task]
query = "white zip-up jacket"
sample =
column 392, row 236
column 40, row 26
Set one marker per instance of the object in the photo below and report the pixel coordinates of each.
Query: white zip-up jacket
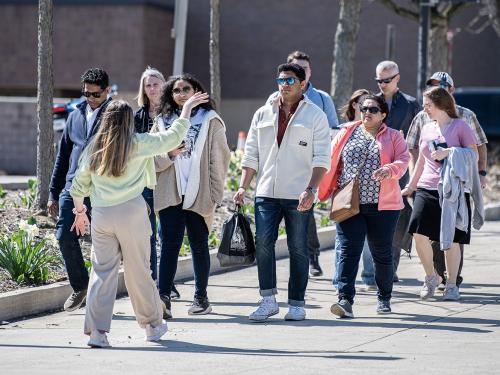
column 285, row 171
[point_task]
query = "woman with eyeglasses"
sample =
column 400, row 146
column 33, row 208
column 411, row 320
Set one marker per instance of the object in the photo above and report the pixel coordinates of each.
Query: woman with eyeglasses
column 113, row 171
column 190, row 185
column 351, row 112
column 148, row 99
column 437, row 138
column 378, row 156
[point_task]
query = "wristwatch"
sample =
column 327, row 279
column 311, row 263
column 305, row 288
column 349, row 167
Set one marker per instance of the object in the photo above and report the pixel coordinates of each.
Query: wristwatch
column 483, row 173
column 312, row 189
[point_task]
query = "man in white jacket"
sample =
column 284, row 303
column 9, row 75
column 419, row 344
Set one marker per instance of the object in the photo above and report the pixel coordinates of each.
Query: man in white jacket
column 288, row 147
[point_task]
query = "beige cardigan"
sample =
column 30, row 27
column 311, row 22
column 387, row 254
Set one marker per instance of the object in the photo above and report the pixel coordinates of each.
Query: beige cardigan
column 210, row 161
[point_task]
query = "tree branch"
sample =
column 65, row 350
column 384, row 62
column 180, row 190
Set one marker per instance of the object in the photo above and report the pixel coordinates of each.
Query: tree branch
column 402, row 11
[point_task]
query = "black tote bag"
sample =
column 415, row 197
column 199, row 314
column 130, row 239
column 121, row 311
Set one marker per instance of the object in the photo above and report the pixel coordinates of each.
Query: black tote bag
column 237, row 246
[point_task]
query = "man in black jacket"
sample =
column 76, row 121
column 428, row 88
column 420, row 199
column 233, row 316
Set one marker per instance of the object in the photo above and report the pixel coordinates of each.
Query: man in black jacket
column 81, row 126
column 402, row 109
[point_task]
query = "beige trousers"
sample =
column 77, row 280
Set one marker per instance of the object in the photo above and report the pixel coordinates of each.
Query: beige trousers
column 121, row 232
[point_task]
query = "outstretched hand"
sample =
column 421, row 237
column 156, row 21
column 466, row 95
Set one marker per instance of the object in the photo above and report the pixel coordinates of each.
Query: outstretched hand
column 195, row 100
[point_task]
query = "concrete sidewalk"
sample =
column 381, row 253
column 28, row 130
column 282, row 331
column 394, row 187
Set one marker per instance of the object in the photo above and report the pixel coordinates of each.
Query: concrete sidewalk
column 432, row 336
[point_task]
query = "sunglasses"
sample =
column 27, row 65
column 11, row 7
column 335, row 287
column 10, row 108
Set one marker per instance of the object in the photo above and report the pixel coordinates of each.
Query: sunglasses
column 88, row 94
column 185, row 90
column 386, row 80
column 289, row 81
column 372, row 110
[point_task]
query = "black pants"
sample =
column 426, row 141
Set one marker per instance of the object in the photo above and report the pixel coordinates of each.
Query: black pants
column 313, row 244
column 440, row 265
column 69, row 242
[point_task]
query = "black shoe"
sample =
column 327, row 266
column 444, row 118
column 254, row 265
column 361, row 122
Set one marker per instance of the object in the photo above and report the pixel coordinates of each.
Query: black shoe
column 167, row 307
column 75, row 300
column 343, row 309
column 384, row 307
column 314, row 267
column 174, row 293
column 200, row 306
column 395, row 278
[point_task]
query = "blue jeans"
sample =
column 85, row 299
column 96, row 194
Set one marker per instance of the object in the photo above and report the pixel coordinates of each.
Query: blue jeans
column 378, row 227
column 147, row 194
column 173, row 221
column 268, row 214
column 69, row 243
column 368, row 272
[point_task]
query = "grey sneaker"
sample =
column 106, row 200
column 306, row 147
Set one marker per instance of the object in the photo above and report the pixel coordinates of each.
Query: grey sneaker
column 200, row 306
column 343, row 309
column 451, row 293
column 98, row 340
column 166, row 306
column 383, row 307
column 295, row 313
column 268, row 307
column 429, row 287
column 75, row 300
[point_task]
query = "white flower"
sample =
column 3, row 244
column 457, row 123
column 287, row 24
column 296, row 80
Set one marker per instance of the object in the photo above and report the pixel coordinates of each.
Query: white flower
column 23, row 225
column 51, row 240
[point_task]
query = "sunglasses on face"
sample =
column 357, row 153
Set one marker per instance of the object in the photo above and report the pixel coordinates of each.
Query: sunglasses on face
column 88, row 94
column 289, row 81
column 386, row 80
column 185, row 90
column 372, row 110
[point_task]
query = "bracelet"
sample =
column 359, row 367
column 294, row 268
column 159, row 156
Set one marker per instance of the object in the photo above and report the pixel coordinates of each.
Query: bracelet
column 409, row 187
column 80, row 213
column 241, row 187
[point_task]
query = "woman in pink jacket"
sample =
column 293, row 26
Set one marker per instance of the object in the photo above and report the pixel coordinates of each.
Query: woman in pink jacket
column 380, row 155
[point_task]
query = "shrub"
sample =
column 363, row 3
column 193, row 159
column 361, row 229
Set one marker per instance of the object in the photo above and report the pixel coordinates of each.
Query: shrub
column 28, row 197
column 26, row 260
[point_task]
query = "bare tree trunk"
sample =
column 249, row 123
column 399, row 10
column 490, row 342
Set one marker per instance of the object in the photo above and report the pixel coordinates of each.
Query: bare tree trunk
column 438, row 45
column 45, row 147
column 215, row 53
column 344, row 51
column 493, row 7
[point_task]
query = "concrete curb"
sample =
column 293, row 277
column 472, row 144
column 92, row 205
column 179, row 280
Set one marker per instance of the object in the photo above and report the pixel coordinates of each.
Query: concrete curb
column 15, row 182
column 492, row 212
column 47, row 298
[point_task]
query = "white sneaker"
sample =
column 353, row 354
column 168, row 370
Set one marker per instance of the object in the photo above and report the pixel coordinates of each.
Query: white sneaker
column 155, row 333
column 429, row 287
column 268, row 307
column 98, row 340
column 295, row 313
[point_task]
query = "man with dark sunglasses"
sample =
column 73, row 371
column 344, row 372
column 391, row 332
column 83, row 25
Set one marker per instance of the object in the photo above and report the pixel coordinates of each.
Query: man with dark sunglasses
column 288, row 147
column 80, row 127
column 325, row 103
column 402, row 109
column 444, row 80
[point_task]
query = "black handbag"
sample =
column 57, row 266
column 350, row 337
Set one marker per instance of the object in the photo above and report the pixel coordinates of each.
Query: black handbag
column 237, row 245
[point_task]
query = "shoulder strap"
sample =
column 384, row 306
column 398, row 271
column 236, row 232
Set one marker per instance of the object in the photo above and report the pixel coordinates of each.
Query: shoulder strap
column 364, row 159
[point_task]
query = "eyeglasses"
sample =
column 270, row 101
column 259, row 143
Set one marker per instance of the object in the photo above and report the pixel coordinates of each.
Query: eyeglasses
column 372, row 110
column 184, row 90
column 386, row 80
column 88, row 94
column 289, row 81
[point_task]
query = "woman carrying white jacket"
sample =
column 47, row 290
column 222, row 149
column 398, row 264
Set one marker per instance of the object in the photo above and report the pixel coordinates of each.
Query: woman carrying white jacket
column 190, row 185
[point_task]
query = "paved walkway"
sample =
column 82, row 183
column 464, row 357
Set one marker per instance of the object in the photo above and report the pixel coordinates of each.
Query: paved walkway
column 431, row 337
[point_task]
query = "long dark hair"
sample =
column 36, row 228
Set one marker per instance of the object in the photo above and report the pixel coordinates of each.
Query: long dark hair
column 169, row 106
